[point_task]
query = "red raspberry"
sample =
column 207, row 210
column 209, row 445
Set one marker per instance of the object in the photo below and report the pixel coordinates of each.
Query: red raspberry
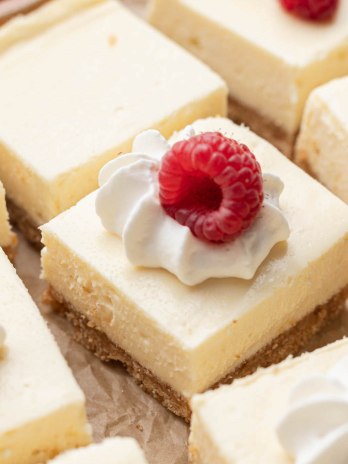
column 314, row 10
column 211, row 184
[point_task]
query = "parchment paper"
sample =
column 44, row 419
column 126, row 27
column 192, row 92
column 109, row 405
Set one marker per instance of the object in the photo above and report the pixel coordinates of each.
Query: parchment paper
column 115, row 405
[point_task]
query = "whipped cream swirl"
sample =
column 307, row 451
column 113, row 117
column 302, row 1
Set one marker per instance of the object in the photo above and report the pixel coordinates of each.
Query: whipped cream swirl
column 129, row 206
column 315, row 428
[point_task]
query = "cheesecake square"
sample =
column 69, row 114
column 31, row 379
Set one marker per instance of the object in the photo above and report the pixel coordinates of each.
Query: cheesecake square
column 79, row 79
column 279, row 414
column 322, row 144
column 8, row 239
column 42, row 409
column 269, row 59
column 177, row 339
column 111, row 451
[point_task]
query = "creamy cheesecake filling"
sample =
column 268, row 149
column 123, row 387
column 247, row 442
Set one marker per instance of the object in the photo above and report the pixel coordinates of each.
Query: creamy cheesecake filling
column 191, row 337
column 188, row 369
column 7, row 238
column 79, row 109
column 26, row 188
column 38, row 440
column 42, row 409
column 249, row 403
column 323, row 140
column 115, row 314
column 270, row 69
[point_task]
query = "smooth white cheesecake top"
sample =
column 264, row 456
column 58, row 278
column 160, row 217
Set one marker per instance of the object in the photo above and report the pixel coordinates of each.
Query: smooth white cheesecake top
column 35, row 380
column 240, row 421
column 111, row 451
column 269, row 26
column 335, row 96
column 191, row 336
column 87, row 83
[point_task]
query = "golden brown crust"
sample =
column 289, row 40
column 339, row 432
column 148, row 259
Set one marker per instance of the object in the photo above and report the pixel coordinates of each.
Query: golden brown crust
column 289, row 342
column 11, row 253
column 25, row 224
column 277, row 136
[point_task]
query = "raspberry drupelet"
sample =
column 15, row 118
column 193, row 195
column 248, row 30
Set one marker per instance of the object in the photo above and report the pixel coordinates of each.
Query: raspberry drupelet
column 211, row 184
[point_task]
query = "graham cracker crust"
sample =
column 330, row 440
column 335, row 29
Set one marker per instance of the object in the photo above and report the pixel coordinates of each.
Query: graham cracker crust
column 266, row 128
column 290, row 342
column 25, row 224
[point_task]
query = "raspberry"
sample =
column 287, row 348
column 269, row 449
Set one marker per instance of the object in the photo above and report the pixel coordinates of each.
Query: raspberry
column 211, row 184
column 314, row 10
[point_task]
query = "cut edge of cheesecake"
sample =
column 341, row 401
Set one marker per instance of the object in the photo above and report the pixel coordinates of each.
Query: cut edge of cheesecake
column 264, row 127
column 323, row 136
column 291, row 342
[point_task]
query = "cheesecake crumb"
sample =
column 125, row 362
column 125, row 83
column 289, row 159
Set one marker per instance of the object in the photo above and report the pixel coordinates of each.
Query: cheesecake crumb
column 194, row 42
column 112, row 40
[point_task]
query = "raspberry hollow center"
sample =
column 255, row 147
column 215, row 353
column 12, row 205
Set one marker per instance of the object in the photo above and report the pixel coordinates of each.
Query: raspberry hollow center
column 201, row 192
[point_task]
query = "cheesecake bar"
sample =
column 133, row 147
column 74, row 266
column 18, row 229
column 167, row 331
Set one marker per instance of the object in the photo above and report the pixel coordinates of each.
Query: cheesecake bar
column 110, row 451
column 79, row 79
column 42, row 409
column 7, row 237
column 322, row 147
column 177, row 339
column 270, row 59
column 284, row 414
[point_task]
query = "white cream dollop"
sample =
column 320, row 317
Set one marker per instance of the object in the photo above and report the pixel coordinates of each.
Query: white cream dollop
column 128, row 205
column 315, row 428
